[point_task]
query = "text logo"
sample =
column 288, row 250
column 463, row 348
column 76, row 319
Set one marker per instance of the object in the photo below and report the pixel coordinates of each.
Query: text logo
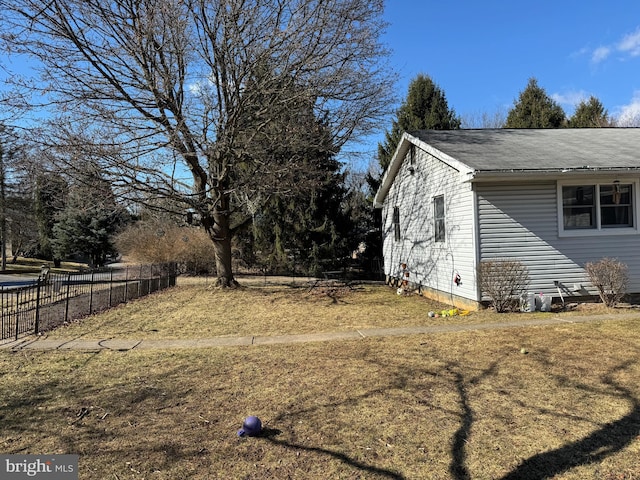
column 45, row 467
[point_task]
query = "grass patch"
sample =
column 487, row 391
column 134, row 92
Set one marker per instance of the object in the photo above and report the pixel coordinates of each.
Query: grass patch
column 34, row 265
column 440, row 406
column 195, row 310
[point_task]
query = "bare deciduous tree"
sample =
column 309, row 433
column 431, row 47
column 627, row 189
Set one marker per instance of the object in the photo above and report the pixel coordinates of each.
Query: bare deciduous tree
column 212, row 103
column 495, row 119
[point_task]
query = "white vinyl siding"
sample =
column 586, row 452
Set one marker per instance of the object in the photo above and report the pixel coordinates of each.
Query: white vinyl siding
column 522, row 221
column 431, row 263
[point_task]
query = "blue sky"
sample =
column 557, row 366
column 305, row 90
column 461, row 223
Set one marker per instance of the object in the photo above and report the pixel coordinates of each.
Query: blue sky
column 482, row 53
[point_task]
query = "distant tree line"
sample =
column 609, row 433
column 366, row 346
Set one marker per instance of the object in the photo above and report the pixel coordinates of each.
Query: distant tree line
column 48, row 215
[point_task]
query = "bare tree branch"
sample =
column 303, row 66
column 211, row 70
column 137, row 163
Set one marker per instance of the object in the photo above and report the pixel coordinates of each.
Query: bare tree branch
column 151, row 89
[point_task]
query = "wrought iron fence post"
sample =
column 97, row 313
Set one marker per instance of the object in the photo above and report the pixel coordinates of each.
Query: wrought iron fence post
column 2, row 311
column 91, row 292
column 110, row 287
column 17, row 312
column 66, row 306
column 37, row 322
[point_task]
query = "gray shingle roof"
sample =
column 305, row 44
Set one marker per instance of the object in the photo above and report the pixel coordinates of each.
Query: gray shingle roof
column 538, row 149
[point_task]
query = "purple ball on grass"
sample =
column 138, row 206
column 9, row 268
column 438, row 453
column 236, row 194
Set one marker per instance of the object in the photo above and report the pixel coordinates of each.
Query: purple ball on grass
column 251, row 426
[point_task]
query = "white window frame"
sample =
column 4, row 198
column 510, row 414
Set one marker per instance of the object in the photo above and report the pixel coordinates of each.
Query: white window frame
column 598, row 230
column 397, row 233
column 436, row 219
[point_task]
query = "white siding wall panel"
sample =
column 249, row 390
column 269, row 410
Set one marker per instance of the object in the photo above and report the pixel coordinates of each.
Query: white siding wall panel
column 521, row 222
column 432, row 264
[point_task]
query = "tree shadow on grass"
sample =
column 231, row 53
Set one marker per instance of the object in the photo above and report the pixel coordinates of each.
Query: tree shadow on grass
column 369, row 469
column 606, row 441
column 457, row 467
column 270, row 435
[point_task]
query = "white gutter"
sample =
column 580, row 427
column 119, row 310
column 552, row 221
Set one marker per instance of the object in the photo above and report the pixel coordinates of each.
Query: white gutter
column 503, row 175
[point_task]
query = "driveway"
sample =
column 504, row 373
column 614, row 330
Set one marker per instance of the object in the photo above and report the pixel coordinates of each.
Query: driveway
column 16, row 280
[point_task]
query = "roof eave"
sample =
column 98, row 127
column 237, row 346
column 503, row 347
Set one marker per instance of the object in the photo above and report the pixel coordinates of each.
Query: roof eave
column 556, row 173
column 392, row 170
column 396, row 162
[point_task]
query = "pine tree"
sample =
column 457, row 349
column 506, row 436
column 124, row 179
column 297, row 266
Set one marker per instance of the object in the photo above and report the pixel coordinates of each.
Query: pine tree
column 589, row 114
column 88, row 222
column 311, row 233
column 535, row 109
column 297, row 209
column 425, row 108
column 50, row 196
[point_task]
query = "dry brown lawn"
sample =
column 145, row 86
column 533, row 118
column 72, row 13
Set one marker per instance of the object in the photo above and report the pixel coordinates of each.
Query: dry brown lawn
column 277, row 307
column 441, row 406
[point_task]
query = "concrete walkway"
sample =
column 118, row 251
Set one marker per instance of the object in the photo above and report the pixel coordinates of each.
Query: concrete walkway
column 123, row 344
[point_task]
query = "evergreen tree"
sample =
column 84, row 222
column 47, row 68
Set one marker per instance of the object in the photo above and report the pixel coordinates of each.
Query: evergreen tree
column 589, row 114
column 50, row 196
column 88, row 222
column 18, row 228
column 366, row 223
column 425, row 108
column 297, row 218
column 308, row 232
column 535, row 109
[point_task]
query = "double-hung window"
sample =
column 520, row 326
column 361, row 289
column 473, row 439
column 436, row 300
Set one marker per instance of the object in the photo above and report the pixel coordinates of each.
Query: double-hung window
column 598, row 207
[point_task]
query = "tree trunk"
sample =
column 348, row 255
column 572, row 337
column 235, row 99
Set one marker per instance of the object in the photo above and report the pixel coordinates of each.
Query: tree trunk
column 3, row 216
column 220, row 233
column 222, row 248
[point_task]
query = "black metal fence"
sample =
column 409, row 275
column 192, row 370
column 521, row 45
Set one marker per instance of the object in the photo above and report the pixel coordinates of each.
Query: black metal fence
column 57, row 298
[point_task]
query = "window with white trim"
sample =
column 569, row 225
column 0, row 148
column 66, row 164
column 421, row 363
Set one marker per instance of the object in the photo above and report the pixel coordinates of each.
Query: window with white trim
column 439, row 219
column 598, row 206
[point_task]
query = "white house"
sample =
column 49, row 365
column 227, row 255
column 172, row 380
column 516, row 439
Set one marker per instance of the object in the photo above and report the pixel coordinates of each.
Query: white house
column 553, row 199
